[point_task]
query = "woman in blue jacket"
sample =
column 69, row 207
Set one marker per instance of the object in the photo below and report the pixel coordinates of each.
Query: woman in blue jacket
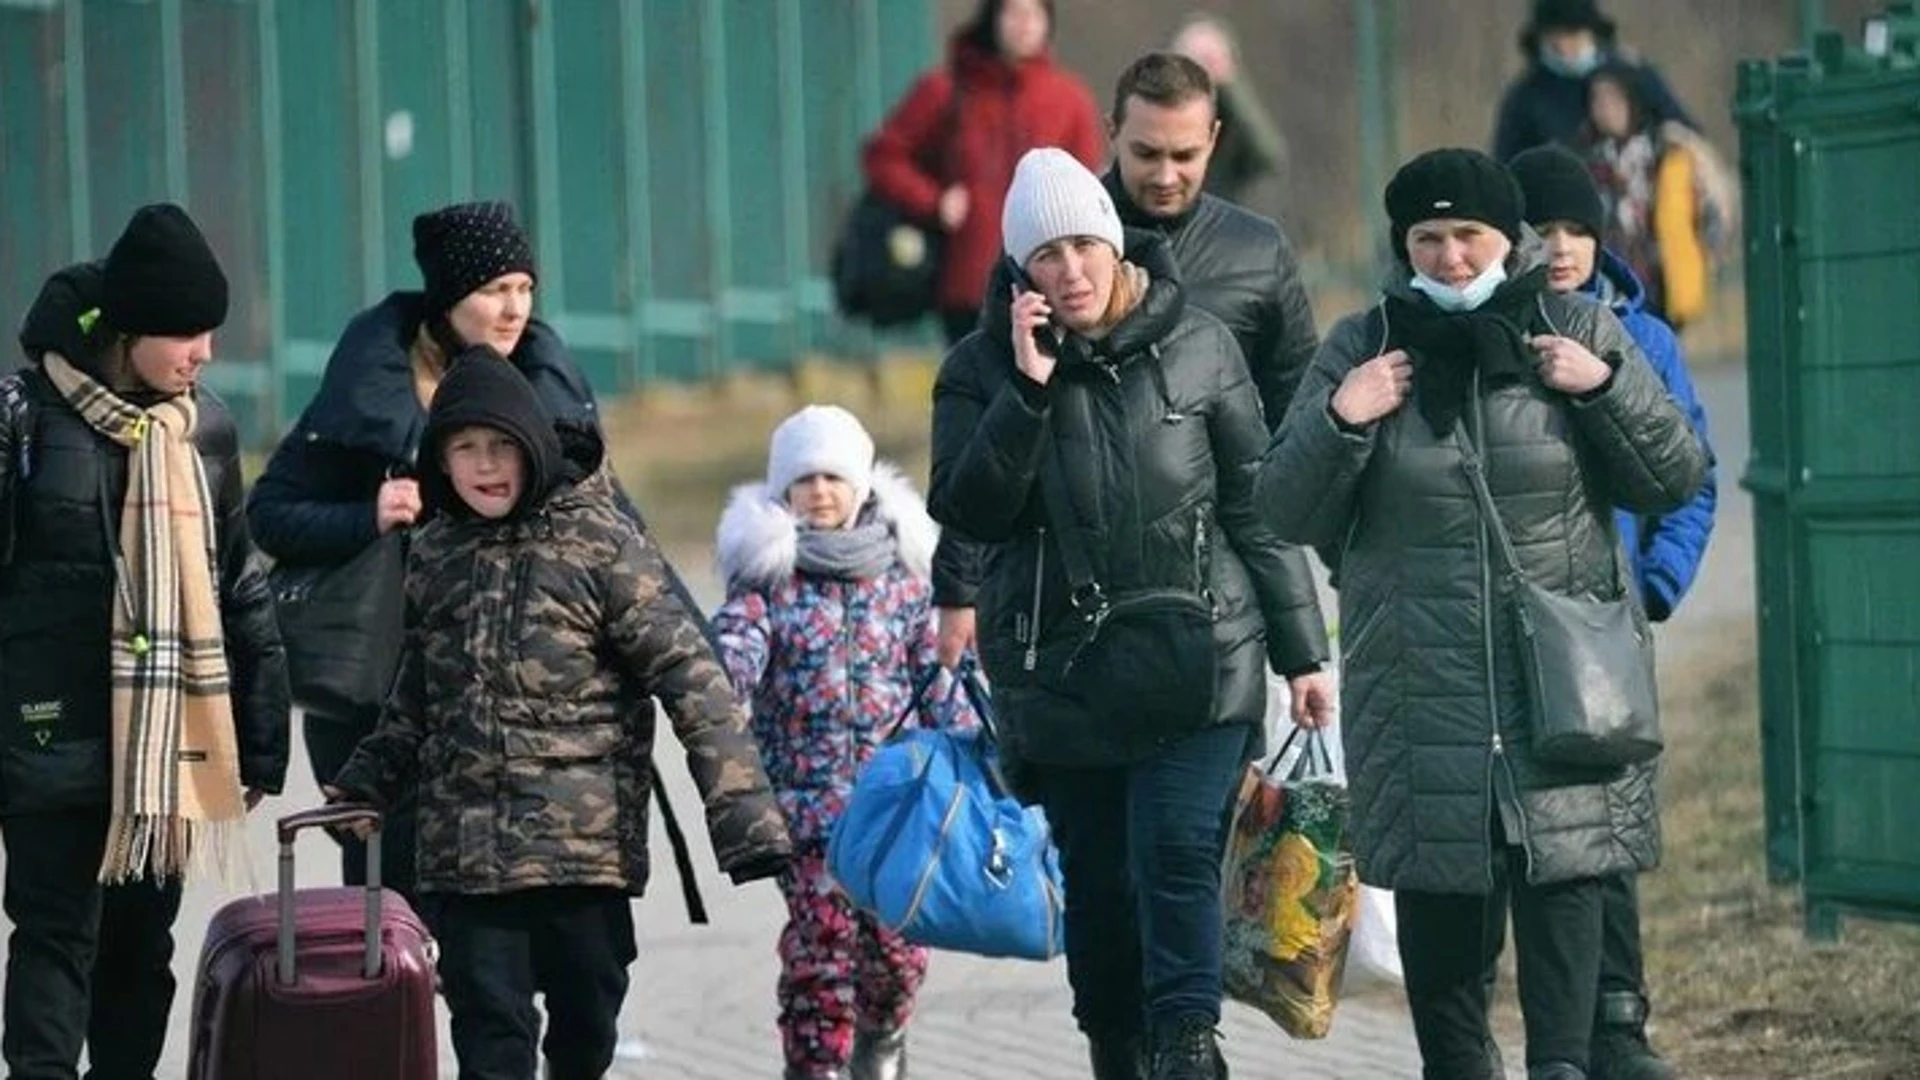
column 1664, row 551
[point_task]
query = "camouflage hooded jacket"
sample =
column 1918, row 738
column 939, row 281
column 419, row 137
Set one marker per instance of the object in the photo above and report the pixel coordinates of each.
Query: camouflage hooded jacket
column 520, row 713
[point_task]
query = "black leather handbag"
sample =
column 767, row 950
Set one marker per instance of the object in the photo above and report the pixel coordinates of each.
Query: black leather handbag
column 1140, row 660
column 343, row 627
column 1586, row 662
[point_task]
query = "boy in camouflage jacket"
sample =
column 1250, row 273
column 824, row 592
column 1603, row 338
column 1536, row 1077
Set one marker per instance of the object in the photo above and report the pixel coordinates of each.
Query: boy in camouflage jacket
column 539, row 622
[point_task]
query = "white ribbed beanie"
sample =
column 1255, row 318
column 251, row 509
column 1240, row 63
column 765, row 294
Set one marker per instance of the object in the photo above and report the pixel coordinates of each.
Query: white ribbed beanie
column 820, row 439
column 1054, row 196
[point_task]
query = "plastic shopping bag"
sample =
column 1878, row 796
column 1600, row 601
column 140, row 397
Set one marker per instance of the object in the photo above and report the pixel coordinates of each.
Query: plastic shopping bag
column 1290, row 891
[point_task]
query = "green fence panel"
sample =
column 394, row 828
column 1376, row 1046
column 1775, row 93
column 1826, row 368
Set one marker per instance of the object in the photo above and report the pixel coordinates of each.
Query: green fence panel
column 36, row 216
column 683, row 165
column 1831, row 143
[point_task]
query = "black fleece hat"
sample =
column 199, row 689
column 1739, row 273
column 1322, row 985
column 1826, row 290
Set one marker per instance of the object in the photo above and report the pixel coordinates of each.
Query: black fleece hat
column 464, row 246
column 482, row 389
column 1569, row 15
column 1456, row 183
column 1558, row 187
column 161, row 277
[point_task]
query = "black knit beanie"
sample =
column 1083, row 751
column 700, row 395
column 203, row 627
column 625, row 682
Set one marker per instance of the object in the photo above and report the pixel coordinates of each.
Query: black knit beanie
column 483, row 389
column 1557, row 187
column 462, row 247
column 161, row 278
column 1464, row 184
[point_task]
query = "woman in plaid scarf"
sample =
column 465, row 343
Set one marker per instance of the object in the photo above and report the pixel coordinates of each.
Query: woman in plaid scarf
column 143, row 701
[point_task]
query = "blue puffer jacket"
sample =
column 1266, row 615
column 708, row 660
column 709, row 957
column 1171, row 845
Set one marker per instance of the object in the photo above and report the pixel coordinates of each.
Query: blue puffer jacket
column 1665, row 549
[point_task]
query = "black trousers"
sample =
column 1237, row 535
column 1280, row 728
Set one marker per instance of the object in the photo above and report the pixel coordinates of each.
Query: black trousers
column 1623, row 965
column 571, row 945
column 330, row 742
column 1450, row 944
column 86, row 964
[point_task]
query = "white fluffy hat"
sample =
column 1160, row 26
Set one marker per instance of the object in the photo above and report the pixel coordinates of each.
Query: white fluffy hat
column 1054, row 196
column 821, row 439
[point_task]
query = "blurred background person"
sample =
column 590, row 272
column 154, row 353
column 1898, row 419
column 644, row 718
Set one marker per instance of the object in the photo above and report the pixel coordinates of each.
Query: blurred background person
column 1250, row 147
column 1668, row 200
column 1564, row 42
column 948, row 150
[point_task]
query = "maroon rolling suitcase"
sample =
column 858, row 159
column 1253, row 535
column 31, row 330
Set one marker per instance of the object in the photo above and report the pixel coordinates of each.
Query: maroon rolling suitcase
column 331, row 983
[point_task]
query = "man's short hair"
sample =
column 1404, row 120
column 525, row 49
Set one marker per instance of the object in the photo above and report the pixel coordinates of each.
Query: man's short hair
column 1166, row 79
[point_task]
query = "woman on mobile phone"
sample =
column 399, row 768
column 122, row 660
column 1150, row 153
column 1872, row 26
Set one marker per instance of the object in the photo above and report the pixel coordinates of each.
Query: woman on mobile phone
column 1104, row 436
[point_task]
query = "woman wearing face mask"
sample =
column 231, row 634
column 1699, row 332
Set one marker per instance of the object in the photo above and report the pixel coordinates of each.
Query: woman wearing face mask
column 342, row 477
column 1564, row 42
column 1103, row 435
column 947, row 152
column 142, row 682
column 1454, row 811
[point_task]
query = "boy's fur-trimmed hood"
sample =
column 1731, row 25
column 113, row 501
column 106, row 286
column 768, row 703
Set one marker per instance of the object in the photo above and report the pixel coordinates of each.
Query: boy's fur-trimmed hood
column 759, row 538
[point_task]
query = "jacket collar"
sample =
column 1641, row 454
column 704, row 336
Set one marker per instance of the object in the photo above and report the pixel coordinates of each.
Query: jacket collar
column 1135, row 218
column 366, row 398
column 1628, row 294
column 1151, row 320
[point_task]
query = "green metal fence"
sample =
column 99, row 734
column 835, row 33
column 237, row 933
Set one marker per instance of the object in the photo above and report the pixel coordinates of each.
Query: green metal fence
column 1830, row 146
column 682, row 164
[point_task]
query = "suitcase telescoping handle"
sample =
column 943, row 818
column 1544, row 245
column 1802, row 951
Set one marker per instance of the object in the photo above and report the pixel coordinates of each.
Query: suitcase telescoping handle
column 327, row 817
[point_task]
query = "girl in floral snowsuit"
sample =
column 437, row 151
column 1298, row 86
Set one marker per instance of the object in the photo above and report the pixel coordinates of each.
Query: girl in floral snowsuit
column 827, row 630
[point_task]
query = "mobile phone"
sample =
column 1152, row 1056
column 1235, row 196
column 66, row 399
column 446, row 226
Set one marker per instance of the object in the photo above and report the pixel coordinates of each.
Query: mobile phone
column 1044, row 338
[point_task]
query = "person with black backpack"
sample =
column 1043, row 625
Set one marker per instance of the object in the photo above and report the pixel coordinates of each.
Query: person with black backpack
column 143, row 692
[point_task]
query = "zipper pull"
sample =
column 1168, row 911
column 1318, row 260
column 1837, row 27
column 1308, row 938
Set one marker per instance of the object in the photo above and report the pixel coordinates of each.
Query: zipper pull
column 1498, row 748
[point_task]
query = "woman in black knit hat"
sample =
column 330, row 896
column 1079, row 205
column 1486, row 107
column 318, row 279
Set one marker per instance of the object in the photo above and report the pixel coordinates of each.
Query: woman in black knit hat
column 130, row 752
column 343, row 477
column 1470, row 360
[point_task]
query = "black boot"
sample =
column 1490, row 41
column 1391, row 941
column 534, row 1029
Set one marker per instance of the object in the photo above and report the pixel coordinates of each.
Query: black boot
column 1116, row 1058
column 1556, row 1070
column 1187, row 1050
column 1620, row 1047
column 879, row 1055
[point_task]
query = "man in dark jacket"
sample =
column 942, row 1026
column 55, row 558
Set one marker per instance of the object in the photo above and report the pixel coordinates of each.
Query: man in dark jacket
column 1564, row 42
column 119, row 342
column 1234, row 264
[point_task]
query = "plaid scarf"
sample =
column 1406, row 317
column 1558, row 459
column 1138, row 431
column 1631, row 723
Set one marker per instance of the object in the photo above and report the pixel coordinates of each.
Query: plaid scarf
column 176, row 772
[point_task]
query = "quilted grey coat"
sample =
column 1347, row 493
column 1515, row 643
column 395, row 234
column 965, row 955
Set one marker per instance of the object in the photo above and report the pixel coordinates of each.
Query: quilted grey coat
column 1438, row 754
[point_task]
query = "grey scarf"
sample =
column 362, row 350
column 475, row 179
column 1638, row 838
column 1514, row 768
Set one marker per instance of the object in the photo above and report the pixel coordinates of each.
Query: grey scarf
column 850, row 554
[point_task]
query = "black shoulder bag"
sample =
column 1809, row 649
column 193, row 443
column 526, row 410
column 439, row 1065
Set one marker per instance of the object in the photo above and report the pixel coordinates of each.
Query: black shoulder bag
column 1142, row 660
column 1586, row 663
column 343, row 627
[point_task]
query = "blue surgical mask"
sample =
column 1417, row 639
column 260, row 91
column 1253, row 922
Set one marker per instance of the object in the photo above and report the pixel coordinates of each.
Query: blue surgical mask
column 1578, row 66
column 1466, row 297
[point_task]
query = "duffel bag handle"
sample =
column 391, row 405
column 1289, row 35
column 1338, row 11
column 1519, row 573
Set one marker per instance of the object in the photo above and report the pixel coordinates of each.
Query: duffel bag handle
column 329, row 816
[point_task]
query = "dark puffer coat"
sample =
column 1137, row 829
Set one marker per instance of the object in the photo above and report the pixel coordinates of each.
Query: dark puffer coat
column 1156, row 431
column 61, row 488
column 1432, row 700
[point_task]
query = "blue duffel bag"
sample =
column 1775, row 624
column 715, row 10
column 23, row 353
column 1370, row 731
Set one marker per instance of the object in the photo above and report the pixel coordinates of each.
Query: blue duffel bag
column 935, row 848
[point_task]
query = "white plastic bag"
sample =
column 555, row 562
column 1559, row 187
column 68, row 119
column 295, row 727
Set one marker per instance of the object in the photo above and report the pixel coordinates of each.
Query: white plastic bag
column 1373, row 957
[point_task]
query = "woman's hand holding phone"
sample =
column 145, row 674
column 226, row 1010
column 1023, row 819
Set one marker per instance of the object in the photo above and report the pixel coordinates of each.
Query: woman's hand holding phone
column 1030, row 315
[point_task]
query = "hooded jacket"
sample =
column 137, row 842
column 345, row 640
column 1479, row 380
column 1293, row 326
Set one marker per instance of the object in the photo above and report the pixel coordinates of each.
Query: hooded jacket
column 61, row 489
column 1155, row 430
column 520, row 714
column 1433, row 711
column 1665, row 550
column 828, row 663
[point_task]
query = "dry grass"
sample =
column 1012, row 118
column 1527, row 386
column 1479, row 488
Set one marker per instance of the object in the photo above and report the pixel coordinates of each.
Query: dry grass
column 1738, row 989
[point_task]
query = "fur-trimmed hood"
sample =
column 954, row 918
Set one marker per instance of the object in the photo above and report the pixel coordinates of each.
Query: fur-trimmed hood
column 759, row 540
